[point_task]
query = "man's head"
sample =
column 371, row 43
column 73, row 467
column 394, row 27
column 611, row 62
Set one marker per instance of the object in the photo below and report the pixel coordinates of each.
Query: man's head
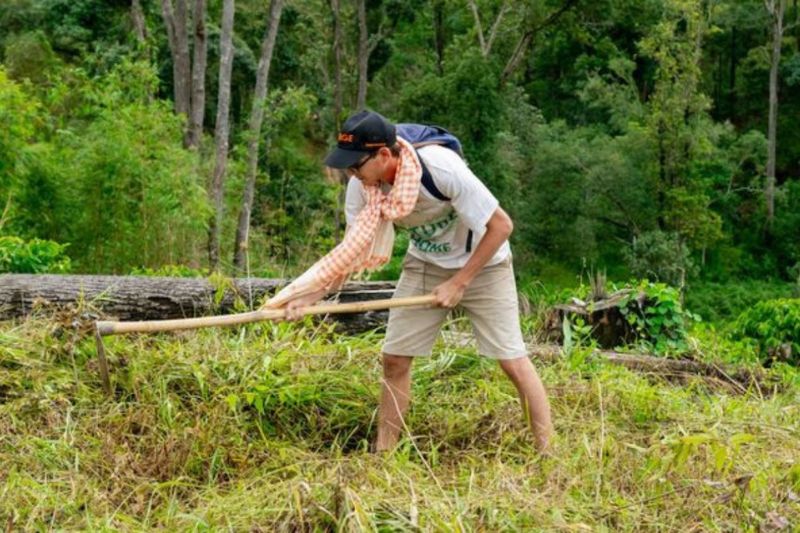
column 366, row 148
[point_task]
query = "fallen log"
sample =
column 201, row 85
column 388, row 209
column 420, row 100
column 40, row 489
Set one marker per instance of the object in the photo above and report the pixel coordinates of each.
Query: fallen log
column 128, row 298
column 739, row 378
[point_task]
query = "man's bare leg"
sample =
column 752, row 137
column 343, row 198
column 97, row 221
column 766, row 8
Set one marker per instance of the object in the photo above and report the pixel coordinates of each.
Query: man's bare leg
column 395, row 394
column 533, row 398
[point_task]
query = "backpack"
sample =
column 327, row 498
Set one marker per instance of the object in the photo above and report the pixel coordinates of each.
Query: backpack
column 420, row 135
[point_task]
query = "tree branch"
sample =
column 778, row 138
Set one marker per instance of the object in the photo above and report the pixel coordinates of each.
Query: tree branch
column 528, row 36
column 477, row 16
column 4, row 217
column 375, row 38
column 493, row 32
column 169, row 22
column 139, row 26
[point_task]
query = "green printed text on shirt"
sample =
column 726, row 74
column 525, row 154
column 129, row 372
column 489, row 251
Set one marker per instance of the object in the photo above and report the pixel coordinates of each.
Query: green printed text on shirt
column 423, row 235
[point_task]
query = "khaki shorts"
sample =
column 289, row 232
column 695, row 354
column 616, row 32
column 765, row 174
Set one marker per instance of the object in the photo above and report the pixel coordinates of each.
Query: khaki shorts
column 490, row 302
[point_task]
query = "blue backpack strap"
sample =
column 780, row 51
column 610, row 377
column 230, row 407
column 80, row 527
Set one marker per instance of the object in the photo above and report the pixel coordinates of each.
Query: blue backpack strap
column 420, row 135
column 428, row 183
column 430, row 186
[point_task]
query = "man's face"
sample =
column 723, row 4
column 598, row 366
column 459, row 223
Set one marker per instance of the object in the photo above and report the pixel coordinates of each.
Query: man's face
column 374, row 168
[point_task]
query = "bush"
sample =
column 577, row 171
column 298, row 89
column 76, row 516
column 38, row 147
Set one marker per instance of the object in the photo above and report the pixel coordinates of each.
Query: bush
column 18, row 114
column 660, row 256
column 132, row 194
column 719, row 302
column 32, row 257
column 655, row 317
column 775, row 326
column 656, row 312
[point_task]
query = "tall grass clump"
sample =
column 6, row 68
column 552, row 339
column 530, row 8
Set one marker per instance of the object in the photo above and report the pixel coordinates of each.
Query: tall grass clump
column 267, row 427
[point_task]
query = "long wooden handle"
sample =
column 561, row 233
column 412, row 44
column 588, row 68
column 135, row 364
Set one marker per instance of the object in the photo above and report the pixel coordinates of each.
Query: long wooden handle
column 113, row 328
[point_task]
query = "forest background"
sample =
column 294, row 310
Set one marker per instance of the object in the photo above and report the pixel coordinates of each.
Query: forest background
column 650, row 144
column 650, row 138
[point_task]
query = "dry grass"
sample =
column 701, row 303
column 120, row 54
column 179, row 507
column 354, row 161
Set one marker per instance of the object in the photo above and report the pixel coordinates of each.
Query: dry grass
column 267, row 428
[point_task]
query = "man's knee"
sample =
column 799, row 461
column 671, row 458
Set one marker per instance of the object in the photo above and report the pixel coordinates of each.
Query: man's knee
column 396, row 366
column 516, row 368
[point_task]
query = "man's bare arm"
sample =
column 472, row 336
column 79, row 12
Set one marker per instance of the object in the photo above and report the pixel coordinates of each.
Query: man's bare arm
column 498, row 229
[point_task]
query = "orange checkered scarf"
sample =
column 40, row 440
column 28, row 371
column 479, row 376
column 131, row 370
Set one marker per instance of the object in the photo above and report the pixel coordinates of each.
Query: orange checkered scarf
column 368, row 242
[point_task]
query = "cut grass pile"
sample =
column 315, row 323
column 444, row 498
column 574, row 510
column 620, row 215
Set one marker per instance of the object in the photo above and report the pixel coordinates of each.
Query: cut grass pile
column 266, row 427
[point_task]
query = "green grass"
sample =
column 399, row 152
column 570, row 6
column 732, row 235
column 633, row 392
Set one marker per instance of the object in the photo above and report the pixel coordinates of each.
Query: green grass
column 267, row 427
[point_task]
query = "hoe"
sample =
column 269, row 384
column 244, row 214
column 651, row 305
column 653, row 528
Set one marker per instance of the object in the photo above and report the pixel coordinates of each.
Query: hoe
column 103, row 328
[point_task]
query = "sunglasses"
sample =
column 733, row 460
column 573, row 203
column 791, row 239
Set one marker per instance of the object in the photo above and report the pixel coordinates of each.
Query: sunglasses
column 355, row 168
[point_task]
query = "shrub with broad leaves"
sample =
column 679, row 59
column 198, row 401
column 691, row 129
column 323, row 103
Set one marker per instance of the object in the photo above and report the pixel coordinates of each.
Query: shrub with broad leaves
column 774, row 325
column 36, row 256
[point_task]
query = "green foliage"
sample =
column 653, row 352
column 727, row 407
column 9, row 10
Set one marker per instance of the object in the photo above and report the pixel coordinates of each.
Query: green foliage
column 656, row 312
column 619, row 120
column 108, row 175
column 688, row 214
column 715, row 344
column 295, row 202
column 136, row 185
column 466, row 101
column 775, row 327
column 30, row 57
column 577, row 334
column 36, row 256
column 722, row 302
column 660, row 256
column 653, row 310
column 723, row 452
column 18, row 113
column 786, row 244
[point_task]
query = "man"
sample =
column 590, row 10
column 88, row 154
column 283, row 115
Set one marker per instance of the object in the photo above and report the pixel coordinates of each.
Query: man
column 459, row 252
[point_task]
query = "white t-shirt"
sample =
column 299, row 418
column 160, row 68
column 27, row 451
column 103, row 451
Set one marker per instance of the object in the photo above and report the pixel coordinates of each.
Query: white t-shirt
column 439, row 230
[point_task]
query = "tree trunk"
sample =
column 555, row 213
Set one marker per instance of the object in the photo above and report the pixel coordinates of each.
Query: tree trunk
column 150, row 298
column 169, row 25
column 337, row 64
column 221, row 132
column 139, row 26
column 184, row 60
column 438, row 34
column 796, row 24
column 336, row 175
column 363, row 55
column 176, row 24
column 776, row 9
column 194, row 133
column 254, row 134
column 732, row 81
